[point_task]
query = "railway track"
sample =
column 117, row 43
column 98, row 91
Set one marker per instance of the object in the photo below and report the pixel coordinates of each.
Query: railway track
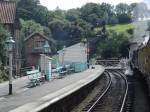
column 100, row 88
column 113, row 98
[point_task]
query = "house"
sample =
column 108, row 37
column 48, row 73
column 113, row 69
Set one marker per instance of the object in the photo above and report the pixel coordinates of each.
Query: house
column 76, row 55
column 35, row 46
column 12, row 24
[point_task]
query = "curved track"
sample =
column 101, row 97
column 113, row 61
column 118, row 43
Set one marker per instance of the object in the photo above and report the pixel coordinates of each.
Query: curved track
column 114, row 96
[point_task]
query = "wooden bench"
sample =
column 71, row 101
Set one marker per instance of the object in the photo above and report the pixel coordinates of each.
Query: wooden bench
column 70, row 70
column 34, row 77
column 63, row 72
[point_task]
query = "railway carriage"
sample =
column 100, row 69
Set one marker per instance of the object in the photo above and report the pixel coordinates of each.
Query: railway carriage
column 141, row 60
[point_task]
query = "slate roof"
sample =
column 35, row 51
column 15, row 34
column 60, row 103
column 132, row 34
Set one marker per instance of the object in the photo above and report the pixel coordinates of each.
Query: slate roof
column 37, row 33
column 7, row 12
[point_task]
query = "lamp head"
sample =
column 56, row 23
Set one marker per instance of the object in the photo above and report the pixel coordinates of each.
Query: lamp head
column 46, row 47
column 9, row 43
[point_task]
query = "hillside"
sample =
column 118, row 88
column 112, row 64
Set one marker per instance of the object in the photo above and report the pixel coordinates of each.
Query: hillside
column 120, row 27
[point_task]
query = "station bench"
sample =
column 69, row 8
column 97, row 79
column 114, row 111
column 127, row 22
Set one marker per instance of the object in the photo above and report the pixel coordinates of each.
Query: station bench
column 63, row 72
column 35, row 77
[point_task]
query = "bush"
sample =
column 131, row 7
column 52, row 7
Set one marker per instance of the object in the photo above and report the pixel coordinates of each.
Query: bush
column 115, row 46
column 124, row 18
column 130, row 31
column 3, row 75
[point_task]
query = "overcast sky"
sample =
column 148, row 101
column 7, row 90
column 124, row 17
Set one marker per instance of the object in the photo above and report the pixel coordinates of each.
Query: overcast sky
column 68, row 4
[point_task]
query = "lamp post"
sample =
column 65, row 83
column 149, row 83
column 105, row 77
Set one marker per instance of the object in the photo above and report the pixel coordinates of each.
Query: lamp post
column 9, row 45
column 63, row 54
column 46, row 47
column 46, row 50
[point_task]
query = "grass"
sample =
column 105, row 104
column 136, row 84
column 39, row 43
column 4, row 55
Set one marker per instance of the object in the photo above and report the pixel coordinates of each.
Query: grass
column 120, row 27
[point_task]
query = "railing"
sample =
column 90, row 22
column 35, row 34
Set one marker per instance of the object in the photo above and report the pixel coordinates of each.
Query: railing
column 39, row 50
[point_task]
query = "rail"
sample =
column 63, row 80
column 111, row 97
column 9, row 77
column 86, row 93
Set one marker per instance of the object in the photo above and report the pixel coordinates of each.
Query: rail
column 109, row 84
column 125, row 96
column 108, row 89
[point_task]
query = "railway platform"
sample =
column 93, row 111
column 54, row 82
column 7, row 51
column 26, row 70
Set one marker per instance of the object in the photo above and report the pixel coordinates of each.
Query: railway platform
column 37, row 98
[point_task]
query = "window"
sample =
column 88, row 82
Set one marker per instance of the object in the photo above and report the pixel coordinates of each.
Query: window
column 39, row 44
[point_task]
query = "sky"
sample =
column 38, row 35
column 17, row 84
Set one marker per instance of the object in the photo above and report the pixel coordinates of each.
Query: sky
column 68, row 4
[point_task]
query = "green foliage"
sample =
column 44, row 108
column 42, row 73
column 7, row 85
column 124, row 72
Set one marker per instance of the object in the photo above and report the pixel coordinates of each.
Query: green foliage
column 29, row 27
column 32, row 10
column 73, row 14
column 91, row 13
column 26, row 7
column 3, row 35
column 124, row 18
column 3, row 75
column 122, row 8
column 91, row 20
column 58, row 28
column 115, row 46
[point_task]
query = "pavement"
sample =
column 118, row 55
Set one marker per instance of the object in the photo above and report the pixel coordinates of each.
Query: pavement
column 24, row 96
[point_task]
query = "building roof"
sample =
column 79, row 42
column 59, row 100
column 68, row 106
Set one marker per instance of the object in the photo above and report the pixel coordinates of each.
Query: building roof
column 7, row 12
column 72, row 47
column 37, row 33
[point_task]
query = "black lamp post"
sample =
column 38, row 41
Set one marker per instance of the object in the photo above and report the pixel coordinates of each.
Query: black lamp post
column 9, row 45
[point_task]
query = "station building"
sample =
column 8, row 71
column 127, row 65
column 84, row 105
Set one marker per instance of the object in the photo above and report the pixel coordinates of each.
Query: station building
column 76, row 55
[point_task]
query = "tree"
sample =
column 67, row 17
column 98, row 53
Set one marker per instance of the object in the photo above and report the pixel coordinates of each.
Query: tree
column 59, row 14
column 3, row 35
column 124, row 18
column 32, row 10
column 73, row 14
column 29, row 27
column 91, row 13
column 116, row 45
column 123, row 12
column 42, row 15
column 59, row 30
column 108, row 12
column 122, row 8
column 26, row 8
